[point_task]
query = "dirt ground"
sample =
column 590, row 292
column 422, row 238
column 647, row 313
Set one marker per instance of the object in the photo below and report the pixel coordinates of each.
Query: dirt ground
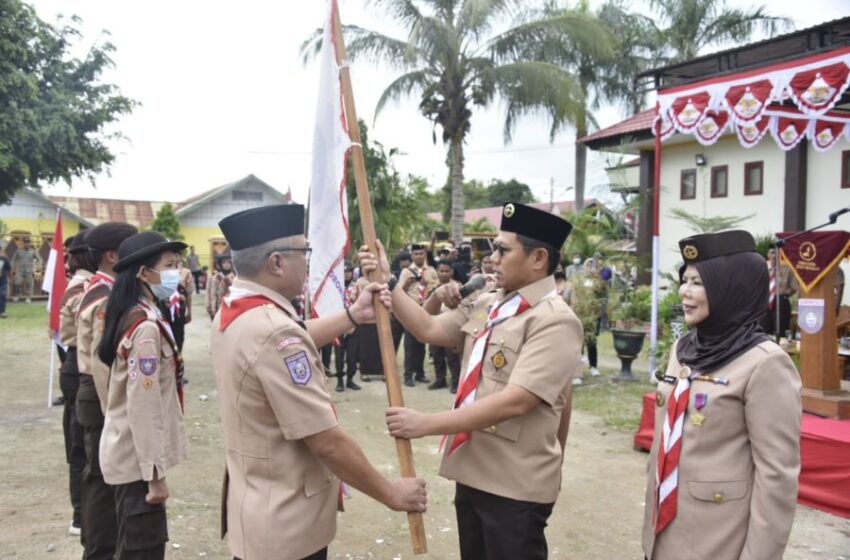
column 598, row 515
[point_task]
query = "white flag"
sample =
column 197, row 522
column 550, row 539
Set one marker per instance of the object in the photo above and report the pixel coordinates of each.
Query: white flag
column 328, row 220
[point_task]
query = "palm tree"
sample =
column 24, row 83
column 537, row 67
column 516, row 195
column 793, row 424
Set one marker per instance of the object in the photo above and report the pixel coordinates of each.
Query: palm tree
column 454, row 60
column 691, row 26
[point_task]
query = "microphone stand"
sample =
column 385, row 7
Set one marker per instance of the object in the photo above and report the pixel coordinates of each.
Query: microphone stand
column 778, row 244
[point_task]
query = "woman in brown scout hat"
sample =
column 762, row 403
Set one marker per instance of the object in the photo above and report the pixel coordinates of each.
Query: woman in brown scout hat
column 143, row 435
column 722, row 478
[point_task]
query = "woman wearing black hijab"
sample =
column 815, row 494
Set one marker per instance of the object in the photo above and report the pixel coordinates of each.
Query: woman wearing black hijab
column 722, row 479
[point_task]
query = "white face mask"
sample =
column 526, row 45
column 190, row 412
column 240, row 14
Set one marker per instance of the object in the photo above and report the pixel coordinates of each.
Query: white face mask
column 168, row 282
column 576, row 261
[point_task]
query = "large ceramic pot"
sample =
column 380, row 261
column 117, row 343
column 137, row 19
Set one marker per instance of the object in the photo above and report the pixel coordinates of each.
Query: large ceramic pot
column 628, row 345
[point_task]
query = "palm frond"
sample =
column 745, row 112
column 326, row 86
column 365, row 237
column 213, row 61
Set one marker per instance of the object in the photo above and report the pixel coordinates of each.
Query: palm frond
column 538, row 88
column 373, row 47
column 477, row 17
column 411, row 83
column 311, row 47
column 404, row 11
column 739, row 25
column 435, row 40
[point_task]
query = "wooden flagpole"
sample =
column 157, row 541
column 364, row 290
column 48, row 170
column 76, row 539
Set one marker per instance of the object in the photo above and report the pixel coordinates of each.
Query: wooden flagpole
column 367, row 223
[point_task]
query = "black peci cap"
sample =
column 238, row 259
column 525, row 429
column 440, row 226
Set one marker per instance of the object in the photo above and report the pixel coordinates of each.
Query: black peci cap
column 78, row 243
column 139, row 247
column 710, row 245
column 109, row 235
column 258, row 225
column 536, row 224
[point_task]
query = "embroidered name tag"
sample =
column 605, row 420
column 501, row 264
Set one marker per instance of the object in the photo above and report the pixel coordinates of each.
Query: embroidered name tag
column 287, row 342
column 299, row 368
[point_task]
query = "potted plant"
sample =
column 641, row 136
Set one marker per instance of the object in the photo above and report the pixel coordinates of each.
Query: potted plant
column 629, row 309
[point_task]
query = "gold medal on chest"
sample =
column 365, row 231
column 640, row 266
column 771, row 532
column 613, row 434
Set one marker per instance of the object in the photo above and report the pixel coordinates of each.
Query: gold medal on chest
column 659, row 398
column 697, row 419
column 498, row 360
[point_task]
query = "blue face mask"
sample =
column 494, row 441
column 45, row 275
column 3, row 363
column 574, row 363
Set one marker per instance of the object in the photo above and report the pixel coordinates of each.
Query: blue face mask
column 168, row 282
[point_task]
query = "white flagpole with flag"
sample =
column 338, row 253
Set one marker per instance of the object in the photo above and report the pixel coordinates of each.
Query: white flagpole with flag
column 328, row 206
column 54, row 284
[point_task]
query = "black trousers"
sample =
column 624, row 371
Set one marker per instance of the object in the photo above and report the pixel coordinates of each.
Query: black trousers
column 75, row 453
column 414, row 356
column 446, row 359
column 345, row 356
column 100, row 527
column 784, row 316
column 196, row 275
column 320, row 555
column 142, row 527
column 491, row 527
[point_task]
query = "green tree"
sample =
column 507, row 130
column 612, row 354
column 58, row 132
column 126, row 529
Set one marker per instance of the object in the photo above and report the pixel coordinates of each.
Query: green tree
column 53, row 107
column 166, row 222
column 691, row 26
column 475, row 195
column 396, row 206
column 708, row 224
column 454, row 60
column 499, row 192
column 481, row 225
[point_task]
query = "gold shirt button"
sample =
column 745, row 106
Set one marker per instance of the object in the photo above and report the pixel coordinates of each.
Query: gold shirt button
column 718, row 498
column 502, row 341
column 492, row 429
column 330, row 478
column 474, row 331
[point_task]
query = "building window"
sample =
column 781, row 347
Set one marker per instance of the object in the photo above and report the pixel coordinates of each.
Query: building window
column 845, row 169
column 753, row 177
column 247, row 196
column 688, row 184
column 719, row 181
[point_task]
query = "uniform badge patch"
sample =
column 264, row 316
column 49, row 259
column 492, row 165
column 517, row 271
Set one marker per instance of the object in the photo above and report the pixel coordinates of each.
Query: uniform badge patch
column 287, row 342
column 148, row 364
column 131, row 362
column 498, row 360
column 147, row 341
column 659, row 398
column 299, row 368
column 133, row 374
column 148, row 384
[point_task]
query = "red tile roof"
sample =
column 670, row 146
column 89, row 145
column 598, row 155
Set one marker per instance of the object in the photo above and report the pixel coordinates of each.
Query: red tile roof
column 139, row 213
column 640, row 122
column 493, row 214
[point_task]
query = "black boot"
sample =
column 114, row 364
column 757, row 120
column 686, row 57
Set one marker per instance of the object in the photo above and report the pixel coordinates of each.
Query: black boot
column 340, row 385
column 408, row 380
column 453, row 390
column 420, row 377
column 351, row 384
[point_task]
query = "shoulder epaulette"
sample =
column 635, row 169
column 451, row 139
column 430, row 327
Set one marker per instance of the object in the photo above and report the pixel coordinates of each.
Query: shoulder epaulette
column 93, row 296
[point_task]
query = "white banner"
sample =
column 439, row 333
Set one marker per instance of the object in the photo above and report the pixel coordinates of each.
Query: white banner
column 328, row 207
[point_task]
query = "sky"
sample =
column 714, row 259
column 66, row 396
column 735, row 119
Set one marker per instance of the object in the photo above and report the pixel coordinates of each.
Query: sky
column 223, row 93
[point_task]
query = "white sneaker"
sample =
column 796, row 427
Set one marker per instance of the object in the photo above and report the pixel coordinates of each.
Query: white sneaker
column 577, row 381
column 73, row 530
column 584, row 359
column 594, row 372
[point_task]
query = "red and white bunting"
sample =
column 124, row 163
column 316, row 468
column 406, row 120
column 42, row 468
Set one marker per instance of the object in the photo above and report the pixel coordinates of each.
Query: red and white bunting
column 755, row 102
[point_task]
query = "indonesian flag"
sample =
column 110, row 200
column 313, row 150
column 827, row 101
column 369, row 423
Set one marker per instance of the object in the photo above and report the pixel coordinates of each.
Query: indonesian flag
column 55, row 281
column 328, row 222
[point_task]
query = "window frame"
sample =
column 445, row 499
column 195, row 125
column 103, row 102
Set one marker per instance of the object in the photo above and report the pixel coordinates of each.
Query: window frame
column 714, row 170
column 692, row 171
column 753, row 165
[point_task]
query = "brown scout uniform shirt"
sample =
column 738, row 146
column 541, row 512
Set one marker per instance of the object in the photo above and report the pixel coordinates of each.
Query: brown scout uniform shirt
column 91, row 317
column 518, row 458
column 281, row 501
column 427, row 274
column 68, row 309
column 738, row 470
column 143, row 430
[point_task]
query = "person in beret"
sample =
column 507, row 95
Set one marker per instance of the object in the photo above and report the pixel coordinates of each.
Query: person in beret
column 143, row 435
column 722, row 477
column 100, row 526
column 417, row 280
column 506, row 432
column 81, row 266
column 285, row 449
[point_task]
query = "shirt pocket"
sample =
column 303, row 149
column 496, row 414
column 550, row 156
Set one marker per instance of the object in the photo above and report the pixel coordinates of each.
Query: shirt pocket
column 500, row 357
column 509, row 430
column 719, row 492
column 470, row 329
column 317, row 480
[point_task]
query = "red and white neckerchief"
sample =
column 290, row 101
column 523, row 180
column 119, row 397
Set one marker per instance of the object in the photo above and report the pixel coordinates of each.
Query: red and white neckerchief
column 669, row 449
column 350, row 296
column 772, row 299
column 100, row 279
column 174, row 305
column 165, row 329
column 468, row 385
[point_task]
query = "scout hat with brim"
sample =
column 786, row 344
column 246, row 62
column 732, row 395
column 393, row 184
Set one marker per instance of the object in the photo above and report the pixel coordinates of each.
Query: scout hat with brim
column 108, row 236
column 705, row 246
column 77, row 244
column 536, row 224
column 140, row 247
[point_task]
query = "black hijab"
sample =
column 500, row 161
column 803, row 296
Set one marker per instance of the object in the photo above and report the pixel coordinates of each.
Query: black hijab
column 737, row 290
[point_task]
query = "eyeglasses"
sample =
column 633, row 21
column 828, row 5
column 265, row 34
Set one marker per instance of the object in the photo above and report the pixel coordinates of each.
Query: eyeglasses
column 305, row 250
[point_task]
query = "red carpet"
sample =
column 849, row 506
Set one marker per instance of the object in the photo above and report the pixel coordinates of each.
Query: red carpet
column 824, row 450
